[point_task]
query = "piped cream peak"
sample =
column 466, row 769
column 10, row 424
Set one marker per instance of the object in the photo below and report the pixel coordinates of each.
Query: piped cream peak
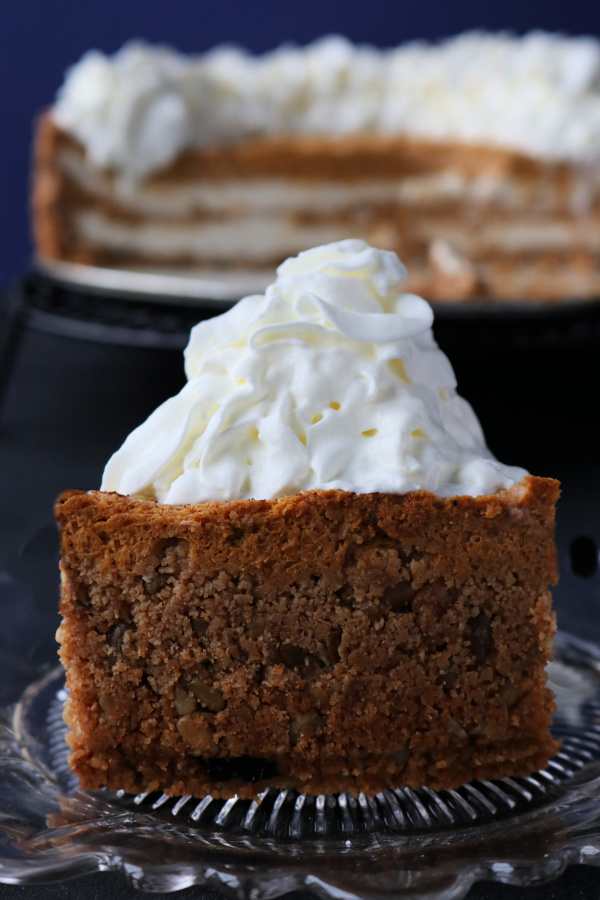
column 331, row 379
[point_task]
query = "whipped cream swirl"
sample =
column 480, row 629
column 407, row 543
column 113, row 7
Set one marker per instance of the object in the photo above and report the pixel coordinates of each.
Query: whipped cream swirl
column 332, row 379
column 137, row 110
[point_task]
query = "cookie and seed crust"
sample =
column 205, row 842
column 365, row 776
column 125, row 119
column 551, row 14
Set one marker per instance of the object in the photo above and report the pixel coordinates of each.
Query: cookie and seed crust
column 325, row 641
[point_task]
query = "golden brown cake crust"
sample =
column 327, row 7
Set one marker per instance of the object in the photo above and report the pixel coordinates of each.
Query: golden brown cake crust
column 325, row 641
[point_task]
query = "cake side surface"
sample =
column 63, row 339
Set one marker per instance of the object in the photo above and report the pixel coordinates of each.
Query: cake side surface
column 325, row 641
column 52, row 206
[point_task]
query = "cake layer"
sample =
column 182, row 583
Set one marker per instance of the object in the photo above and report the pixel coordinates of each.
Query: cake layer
column 325, row 641
column 467, row 221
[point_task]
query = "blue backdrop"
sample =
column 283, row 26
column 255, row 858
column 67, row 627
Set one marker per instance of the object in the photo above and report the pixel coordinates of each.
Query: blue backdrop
column 39, row 39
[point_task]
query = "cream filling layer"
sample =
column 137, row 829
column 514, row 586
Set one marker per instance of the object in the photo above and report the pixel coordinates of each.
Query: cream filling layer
column 250, row 237
column 533, row 235
column 288, row 195
column 256, row 237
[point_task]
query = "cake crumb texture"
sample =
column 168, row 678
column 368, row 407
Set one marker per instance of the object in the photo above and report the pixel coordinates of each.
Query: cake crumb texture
column 325, row 642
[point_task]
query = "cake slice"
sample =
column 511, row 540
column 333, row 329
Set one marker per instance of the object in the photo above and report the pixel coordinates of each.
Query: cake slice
column 307, row 570
column 326, row 641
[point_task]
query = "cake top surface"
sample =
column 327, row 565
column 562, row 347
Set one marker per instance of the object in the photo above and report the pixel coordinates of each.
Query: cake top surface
column 330, row 380
column 538, row 94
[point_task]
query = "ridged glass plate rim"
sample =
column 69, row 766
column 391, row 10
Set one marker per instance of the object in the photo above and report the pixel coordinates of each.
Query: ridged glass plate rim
column 49, row 830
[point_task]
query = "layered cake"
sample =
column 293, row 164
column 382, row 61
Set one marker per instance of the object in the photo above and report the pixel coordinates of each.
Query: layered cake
column 307, row 570
column 476, row 160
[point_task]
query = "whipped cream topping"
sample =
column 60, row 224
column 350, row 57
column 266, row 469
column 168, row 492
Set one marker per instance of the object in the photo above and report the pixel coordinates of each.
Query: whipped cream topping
column 331, row 379
column 137, row 110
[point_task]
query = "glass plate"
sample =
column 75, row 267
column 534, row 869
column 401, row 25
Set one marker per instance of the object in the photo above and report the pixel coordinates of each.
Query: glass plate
column 402, row 843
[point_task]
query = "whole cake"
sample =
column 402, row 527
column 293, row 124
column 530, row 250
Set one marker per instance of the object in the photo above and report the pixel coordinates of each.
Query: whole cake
column 476, row 160
column 307, row 570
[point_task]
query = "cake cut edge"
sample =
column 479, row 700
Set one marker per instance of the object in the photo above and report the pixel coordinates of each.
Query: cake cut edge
column 325, row 641
column 470, row 222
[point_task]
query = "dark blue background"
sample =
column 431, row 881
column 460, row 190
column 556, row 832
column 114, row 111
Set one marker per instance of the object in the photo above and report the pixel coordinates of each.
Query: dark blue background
column 39, row 39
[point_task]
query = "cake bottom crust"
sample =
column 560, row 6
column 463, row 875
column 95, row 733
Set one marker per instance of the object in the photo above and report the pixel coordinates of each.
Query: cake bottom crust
column 324, row 642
